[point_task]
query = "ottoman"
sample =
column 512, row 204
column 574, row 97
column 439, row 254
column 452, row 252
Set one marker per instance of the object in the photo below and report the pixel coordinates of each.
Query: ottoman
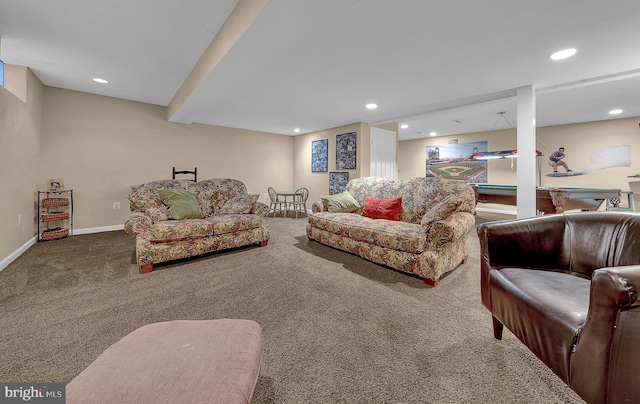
column 181, row 361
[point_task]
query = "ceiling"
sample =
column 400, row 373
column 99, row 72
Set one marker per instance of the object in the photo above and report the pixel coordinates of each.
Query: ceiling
column 448, row 66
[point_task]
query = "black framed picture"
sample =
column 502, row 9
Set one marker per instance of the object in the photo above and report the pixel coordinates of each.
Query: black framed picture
column 346, row 151
column 320, row 156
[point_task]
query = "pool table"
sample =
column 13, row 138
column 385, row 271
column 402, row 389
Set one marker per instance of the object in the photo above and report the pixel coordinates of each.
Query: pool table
column 548, row 199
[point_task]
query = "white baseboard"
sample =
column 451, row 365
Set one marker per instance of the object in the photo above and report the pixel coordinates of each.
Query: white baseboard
column 504, row 212
column 90, row 230
column 14, row 255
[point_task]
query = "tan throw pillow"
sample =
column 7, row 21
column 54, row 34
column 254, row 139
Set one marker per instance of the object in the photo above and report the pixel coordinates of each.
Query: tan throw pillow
column 182, row 204
column 239, row 204
column 342, row 202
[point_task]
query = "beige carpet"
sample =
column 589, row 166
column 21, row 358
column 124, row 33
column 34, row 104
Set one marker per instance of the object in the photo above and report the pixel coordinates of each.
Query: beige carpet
column 337, row 329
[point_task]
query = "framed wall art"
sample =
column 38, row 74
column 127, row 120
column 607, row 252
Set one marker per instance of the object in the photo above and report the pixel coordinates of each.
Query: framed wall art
column 55, row 185
column 453, row 161
column 346, row 151
column 320, row 156
column 338, row 182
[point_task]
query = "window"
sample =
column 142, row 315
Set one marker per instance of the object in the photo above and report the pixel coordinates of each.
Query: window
column 1, row 73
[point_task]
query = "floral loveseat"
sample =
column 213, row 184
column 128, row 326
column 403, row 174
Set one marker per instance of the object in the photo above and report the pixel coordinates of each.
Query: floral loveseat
column 430, row 238
column 228, row 217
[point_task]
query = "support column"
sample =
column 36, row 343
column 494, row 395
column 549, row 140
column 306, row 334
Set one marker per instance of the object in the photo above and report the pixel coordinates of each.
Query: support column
column 526, row 146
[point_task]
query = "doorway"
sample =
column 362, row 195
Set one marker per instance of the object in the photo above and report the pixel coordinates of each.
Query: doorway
column 383, row 153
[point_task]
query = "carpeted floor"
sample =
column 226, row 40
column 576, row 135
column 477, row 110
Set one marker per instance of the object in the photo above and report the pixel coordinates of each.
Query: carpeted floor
column 337, row 329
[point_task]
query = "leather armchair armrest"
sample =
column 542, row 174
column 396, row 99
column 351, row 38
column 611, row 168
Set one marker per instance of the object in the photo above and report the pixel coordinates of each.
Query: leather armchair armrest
column 608, row 339
column 137, row 223
column 615, row 287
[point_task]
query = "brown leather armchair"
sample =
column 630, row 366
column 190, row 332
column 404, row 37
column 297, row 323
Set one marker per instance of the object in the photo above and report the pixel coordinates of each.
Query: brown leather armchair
column 567, row 287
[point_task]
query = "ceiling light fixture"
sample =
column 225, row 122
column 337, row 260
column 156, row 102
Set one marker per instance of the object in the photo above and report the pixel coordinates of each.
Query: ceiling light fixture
column 99, row 80
column 615, row 112
column 501, row 116
column 432, row 133
column 563, row 54
column 404, row 126
column 297, row 130
column 371, row 106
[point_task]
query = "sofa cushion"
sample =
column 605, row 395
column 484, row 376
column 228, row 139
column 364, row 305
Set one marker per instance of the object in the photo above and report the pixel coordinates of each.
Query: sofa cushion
column 232, row 223
column 342, row 202
column 544, row 309
column 145, row 197
column 173, row 230
column 382, row 208
column 210, row 200
column 419, row 194
column 182, row 204
column 213, row 193
column 395, row 235
column 239, row 204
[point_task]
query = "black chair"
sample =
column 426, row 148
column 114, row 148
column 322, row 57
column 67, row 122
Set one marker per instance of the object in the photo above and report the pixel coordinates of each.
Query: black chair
column 194, row 172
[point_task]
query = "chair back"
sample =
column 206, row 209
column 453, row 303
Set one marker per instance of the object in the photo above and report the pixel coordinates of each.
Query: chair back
column 301, row 195
column 273, row 196
column 194, row 173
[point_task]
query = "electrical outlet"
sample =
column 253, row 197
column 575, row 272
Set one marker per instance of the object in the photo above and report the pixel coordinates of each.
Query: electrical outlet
column 116, row 205
column 265, row 196
column 19, row 219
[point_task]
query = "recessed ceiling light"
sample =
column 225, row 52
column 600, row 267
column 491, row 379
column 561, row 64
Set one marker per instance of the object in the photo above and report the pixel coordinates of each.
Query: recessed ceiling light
column 297, row 130
column 99, row 80
column 404, row 126
column 615, row 112
column 432, row 134
column 371, row 106
column 563, row 54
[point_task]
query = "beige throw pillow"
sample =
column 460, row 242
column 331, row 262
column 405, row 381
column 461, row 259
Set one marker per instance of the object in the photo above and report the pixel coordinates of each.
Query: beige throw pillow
column 342, row 202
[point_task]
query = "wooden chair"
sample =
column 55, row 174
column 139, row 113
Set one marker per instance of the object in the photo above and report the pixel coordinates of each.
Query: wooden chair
column 275, row 203
column 299, row 203
column 194, row 172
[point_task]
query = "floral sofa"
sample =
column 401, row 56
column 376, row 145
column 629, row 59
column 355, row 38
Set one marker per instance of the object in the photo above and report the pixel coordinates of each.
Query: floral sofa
column 228, row 217
column 430, row 238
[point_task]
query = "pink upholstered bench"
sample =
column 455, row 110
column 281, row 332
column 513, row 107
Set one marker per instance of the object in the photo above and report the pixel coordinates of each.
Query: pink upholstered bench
column 182, row 361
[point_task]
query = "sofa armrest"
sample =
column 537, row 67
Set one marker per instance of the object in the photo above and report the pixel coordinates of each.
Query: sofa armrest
column 452, row 228
column 318, row 206
column 137, row 223
column 260, row 209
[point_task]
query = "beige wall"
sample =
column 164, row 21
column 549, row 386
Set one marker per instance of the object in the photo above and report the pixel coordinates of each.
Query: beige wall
column 100, row 146
column 579, row 140
column 20, row 128
column 318, row 183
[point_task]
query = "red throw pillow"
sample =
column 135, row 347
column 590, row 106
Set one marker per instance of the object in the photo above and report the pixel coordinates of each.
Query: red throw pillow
column 382, row 208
